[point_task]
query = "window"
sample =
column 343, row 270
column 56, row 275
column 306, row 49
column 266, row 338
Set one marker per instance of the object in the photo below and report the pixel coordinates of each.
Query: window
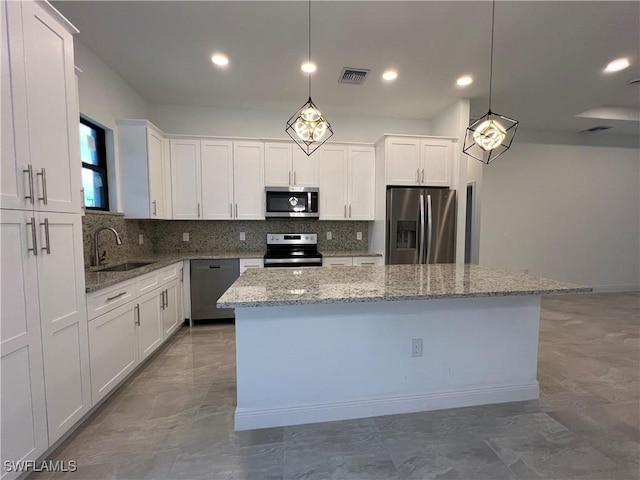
column 94, row 166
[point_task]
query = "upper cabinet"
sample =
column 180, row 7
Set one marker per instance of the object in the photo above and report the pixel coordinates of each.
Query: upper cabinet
column 41, row 167
column 143, row 170
column 347, row 180
column 418, row 161
column 288, row 166
column 217, row 179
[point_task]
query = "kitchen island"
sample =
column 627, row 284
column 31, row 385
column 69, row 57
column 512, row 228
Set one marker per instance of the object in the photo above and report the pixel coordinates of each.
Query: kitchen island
column 321, row 344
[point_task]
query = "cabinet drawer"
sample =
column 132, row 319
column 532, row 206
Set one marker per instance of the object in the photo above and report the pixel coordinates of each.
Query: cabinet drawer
column 337, row 261
column 366, row 261
column 109, row 298
column 170, row 273
column 250, row 263
column 148, row 282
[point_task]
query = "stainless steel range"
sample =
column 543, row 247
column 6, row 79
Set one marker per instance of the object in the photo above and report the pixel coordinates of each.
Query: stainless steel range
column 292, row 250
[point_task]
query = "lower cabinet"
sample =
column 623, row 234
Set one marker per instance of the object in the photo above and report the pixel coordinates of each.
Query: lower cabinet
column 351, row 261
column 125, row 335
column 246, row 263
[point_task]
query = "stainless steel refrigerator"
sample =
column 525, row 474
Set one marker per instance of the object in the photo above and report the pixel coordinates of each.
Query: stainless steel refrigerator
column 421, row 225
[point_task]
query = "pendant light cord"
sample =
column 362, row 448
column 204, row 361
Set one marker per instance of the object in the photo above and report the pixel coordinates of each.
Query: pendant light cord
column 309, row 58
column 493, row 19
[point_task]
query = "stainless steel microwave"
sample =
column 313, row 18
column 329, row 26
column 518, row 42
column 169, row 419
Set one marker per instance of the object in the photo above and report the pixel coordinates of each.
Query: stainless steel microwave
column 291, row 202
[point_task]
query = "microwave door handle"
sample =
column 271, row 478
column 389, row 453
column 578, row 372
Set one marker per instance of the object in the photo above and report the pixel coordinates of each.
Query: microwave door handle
column 308, row 198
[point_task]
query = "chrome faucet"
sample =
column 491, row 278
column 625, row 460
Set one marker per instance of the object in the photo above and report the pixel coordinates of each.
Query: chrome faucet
column 97, row 259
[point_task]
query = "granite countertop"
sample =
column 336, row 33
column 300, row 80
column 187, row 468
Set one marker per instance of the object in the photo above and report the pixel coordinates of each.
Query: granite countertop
column 96, row 279
column 349, row 253
column 278, row 287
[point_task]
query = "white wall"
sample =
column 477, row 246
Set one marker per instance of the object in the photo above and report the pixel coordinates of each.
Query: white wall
column 270, row 124
column 104, row 98
column 568, row 212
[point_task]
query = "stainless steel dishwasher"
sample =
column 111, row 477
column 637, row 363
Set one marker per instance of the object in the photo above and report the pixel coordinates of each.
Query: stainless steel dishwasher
column 209, row 280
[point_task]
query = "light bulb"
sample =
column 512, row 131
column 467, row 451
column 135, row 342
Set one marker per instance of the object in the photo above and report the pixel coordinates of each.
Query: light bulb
column 308, row 67
column 464, row 81
column 220, row 59
column 310, row 126
column 489, row 135
column 390, row 75
column 617, row 65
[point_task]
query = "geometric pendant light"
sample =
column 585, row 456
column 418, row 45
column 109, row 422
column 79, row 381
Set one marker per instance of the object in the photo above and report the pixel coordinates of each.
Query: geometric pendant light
column 491, row 135
column 308, row 127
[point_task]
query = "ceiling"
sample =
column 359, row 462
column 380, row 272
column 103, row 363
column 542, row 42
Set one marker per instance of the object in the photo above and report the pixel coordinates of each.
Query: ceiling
column 548, row 56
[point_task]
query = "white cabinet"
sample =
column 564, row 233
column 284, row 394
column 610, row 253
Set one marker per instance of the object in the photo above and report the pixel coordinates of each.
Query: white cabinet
column 113, row 347
column 41, row 160
column 23, row 416
column 418, row 161
column 248, row 180
column 217, row 179
column 143, row 175
column 246, row 263
column 288, row 166
column 347, row 180
column 149, row 321
column 136, row 317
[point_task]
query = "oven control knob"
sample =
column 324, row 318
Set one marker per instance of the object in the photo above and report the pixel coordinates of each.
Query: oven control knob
column 306, row 238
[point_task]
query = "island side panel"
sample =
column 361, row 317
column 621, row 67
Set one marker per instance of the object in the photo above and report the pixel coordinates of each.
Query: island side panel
column 311, row 363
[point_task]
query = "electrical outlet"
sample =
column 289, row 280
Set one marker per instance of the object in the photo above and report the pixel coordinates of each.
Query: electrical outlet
column 416, row 347
column 329, row 236
column 358, row 235
column 140, row 239
column 243, row 237
column 185, row 237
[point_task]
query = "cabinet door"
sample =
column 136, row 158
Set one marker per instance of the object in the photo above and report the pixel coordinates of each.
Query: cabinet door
column 171, row 309
column 436, row 163
column 402, row 161
column 217, row 180
column 366, row 261
column 185, row 179
column 248, row 180
column 277, row 164
column 51, row 109
column 150, row 323
column 14, row 184
column 337, row 261
column 23, row 416
column 361, row 178
column 155, row 157
column 112, row 347
column 63, row 318
column 332, row 171
column 305, row 169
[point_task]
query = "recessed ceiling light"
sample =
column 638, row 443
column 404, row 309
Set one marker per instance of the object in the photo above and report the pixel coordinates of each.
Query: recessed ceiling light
column 390, row 75
column 220, row 59
column 617, row 65
column 465, row 80
column 308, row 67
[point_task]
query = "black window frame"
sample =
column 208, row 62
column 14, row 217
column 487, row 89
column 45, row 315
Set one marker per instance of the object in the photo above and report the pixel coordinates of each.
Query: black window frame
column 101, row 168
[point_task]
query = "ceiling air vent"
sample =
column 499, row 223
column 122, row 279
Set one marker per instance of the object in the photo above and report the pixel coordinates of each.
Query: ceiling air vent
column 599, row 128
column 353, row 76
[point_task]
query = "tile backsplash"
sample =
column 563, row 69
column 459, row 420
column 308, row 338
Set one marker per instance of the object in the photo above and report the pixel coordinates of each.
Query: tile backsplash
column 163, row 236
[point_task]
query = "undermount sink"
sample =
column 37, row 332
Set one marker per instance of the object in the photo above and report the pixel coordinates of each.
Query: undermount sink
column 123, row 267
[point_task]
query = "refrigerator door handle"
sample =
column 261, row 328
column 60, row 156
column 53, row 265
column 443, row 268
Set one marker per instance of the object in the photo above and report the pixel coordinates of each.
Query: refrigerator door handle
column 429, row 228
column 421, row 258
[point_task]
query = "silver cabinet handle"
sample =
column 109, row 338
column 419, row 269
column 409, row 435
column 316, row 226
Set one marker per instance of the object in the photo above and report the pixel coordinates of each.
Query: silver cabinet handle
column 154, row 207
column 136, row 310
column 345, row 210
column 423, row 175
column 29, row 172
column 83, row 206
column 182, row 275
column 236, row 210
column 294, row 178
column 231, row 210
column 34, row 238
column 47, row 243
column 349, row 210
column 162, row 300
column 290, row 178
column 198, row 209
column 418, row 176
column 166, row 298
column 116, row 296
column 43, row 174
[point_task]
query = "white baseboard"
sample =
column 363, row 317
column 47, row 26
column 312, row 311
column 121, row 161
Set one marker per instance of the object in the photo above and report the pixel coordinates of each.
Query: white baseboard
column 616, row 288
column 252, row 418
